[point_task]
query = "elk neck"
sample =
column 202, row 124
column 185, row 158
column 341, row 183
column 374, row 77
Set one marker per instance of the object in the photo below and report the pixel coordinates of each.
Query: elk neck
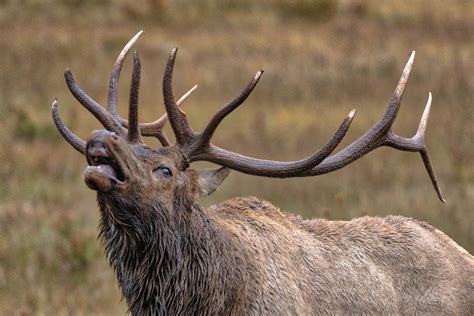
column 165, row 258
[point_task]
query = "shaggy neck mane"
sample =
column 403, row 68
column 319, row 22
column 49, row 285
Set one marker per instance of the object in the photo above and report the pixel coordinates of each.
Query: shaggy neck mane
column 160, row 256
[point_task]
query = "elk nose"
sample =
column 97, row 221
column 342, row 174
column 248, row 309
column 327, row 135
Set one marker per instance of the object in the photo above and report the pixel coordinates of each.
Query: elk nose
column 100, row 137
column 96, row 149
column 96, row 143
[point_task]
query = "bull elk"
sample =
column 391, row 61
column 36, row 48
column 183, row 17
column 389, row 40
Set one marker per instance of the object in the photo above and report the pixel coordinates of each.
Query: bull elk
column 244, row 256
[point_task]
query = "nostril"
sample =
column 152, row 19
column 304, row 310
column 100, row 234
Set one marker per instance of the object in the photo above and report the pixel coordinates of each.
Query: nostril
column 96, row 149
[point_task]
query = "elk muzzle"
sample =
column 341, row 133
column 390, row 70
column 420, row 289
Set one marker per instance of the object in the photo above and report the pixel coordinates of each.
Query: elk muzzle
column 106, row 170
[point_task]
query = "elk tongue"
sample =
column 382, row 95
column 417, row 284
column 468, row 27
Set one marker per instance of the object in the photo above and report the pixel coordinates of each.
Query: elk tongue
column 100, row 178
column 107, row 169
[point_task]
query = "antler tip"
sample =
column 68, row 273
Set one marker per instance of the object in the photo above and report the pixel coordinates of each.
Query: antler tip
column 411, row 58
column 440, row 193
column 428, row 103
column 68, row 75
column 172, row 56
column 258, row 74
column 352, row 114
column 134, row 38
column 424, row 118
column 185, row 96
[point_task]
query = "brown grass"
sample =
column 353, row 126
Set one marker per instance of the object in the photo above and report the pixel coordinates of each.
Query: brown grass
column 318, row 66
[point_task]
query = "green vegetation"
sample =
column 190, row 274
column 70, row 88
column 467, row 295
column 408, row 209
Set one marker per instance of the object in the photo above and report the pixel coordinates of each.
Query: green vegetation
column 321, row 59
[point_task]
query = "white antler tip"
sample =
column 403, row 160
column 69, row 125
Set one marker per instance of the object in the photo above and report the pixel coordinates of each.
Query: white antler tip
column 126, row 48
column 136, row 36
column 428, row 103
column 352, row 113
column 410, row 61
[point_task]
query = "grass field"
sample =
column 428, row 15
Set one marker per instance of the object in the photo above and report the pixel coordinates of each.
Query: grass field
column 321, row 59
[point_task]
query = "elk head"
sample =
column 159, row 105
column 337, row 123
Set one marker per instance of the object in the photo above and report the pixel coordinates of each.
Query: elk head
column 122, row 168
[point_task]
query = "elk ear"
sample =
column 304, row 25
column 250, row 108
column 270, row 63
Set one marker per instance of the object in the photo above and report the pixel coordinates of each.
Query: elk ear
column 210, row 179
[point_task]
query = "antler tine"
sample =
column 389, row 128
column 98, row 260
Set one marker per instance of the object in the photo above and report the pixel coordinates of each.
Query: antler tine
column 159, row 123
column 179, row 122
column 381, row 135
column 156, row 128
column 184, row 97
column 417, row 144
column 227, row 109
column 69, row 136
column 115, row 76
column 424, row 118
column 104, row 117
column 134, row 135
column 146, row 129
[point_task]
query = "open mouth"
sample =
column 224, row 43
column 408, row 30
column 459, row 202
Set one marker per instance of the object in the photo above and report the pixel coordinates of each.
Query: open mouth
column 108, row 166
column 105, row 170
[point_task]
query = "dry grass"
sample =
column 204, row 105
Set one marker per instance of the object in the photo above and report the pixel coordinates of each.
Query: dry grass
column 317, row 68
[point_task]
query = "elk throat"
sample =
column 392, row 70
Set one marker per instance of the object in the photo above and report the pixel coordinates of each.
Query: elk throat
column 164, row 261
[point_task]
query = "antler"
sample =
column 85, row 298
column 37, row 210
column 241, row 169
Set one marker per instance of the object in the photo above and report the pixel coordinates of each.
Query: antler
column 69, row 136
column 147, row 129
column 109, row 117
column 381, row 134
column 197, row 146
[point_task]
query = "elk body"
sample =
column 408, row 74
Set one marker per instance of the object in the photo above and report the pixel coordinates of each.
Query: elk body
column 245, row 256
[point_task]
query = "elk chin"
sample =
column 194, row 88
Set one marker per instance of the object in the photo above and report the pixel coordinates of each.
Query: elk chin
column 103, row 178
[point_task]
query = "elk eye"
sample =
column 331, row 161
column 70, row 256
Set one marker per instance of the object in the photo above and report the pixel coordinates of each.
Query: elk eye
column 164, row 171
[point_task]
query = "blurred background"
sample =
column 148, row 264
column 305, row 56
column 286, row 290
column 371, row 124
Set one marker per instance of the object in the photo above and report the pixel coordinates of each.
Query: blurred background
column 321, row 59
